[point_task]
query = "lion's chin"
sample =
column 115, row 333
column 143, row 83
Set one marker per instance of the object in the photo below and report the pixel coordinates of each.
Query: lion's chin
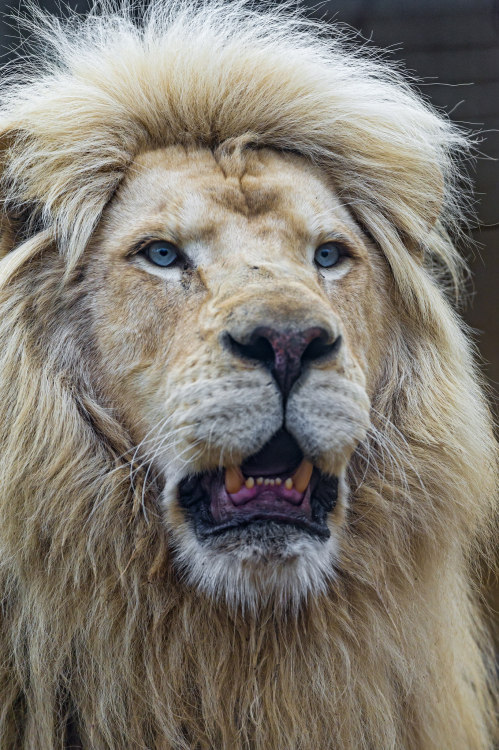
column 256, row 564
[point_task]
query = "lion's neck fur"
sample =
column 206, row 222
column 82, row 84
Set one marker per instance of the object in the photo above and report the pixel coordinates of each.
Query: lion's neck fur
column 98, row 628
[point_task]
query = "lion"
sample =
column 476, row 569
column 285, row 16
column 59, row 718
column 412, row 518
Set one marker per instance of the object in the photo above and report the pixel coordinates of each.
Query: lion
column 247, row 462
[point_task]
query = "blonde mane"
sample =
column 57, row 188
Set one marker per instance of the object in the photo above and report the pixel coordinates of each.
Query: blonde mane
column 97, row 629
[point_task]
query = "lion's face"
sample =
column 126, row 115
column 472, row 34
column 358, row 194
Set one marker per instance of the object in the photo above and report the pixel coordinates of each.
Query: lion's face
column 239, row 319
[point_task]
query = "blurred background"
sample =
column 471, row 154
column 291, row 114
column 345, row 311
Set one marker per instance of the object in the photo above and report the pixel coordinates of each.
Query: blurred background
column 452, row 46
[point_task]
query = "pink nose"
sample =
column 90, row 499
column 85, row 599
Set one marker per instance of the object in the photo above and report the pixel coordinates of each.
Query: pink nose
column 285, row 353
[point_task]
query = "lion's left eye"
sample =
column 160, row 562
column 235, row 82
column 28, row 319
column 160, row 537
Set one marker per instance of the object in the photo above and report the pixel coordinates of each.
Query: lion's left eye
column 330, row 254
column 162, row 253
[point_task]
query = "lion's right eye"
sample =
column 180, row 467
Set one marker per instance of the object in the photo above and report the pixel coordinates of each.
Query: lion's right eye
column 162, row 253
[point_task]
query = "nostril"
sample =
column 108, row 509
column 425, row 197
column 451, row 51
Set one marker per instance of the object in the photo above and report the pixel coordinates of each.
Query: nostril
column 258, row 348
column 320, row 348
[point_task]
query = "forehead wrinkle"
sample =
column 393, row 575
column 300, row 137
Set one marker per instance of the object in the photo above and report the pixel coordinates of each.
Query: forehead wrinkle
column 248, row 183
column 270, row 209
column 237, row 195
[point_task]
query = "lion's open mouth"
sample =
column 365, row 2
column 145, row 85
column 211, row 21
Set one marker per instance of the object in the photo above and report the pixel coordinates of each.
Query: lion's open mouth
column 276, row 484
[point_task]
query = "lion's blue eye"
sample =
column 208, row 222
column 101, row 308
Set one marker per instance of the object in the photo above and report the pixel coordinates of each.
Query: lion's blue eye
column 329, row 254
column 162, row 253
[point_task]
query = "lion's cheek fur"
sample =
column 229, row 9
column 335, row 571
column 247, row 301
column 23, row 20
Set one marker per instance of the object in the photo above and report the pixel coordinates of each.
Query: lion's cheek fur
column 330, row 428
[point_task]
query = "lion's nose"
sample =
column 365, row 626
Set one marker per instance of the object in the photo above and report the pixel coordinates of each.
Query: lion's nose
column 285, row 352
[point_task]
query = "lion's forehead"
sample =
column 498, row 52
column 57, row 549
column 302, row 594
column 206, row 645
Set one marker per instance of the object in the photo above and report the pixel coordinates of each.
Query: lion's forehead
column 200, row 197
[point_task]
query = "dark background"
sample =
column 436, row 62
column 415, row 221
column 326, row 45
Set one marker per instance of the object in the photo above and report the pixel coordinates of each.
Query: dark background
column 453, row 48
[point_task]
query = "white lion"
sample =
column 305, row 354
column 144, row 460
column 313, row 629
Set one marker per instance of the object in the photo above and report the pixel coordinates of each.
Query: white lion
column 245, row 458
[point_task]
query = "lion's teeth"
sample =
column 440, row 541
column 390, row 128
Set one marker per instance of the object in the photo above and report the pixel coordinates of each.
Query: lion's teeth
column 302, row 475
column 234, row 479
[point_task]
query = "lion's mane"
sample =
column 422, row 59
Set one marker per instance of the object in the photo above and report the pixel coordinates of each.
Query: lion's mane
column 99, row 638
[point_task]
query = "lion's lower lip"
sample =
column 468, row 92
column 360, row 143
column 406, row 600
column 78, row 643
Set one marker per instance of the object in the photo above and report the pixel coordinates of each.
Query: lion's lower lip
column 311, row 527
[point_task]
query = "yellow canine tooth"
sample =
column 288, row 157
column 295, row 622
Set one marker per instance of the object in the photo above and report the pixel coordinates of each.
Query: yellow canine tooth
column 288, row 483
column 234, row 479
column 249, row 483
column 302, row 475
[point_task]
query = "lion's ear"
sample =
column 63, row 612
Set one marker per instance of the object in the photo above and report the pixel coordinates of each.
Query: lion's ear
column 7, row 234
column 436, row 196
column 419, row 214
column 16, row 226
